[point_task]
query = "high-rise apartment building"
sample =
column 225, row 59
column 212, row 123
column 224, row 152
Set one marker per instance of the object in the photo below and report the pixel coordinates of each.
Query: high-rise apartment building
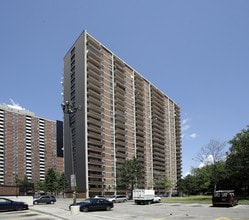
column 122, row 116
column 29, row 145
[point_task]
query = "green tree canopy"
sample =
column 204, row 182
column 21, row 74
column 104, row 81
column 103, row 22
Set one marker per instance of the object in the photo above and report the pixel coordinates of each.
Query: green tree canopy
column 238, row 160
column 162, row 184
column 130, row 174
column 210, row 155
column 51, row 181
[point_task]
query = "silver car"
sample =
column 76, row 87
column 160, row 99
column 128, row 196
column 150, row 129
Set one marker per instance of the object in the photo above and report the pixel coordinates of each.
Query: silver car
column 118, row 198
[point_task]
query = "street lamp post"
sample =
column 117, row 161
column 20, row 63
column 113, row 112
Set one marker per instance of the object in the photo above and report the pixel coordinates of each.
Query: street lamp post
column 69, row 108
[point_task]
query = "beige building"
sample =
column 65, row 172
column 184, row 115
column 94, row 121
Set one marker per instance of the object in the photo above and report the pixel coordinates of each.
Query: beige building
column 29, row 145
column 122, row 116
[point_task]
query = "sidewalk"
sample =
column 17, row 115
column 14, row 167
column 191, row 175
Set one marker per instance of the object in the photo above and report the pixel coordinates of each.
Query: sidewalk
column 60, row 210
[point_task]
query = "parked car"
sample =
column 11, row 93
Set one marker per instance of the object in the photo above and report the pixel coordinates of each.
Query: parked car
column 94, row 204
column 118, row 198
column 10, row 205
column 224, row 197
column 99, row 197
column 44, row 199
column 157, row 199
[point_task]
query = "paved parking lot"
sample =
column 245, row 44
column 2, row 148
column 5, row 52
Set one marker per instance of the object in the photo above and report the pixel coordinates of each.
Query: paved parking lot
column 26, row 215
column 164, row 211
column 158, row 211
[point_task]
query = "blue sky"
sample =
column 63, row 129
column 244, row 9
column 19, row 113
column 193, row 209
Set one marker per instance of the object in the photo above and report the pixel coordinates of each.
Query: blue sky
column 197, row 52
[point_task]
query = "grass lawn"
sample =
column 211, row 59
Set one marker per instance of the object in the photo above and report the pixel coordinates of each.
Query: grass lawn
column 188, row 199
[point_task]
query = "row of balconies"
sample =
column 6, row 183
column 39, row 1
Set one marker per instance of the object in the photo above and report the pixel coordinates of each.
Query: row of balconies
column 158, row 163
column 120, row 157
column 94, row 155
column 157, row 108
column 140, row 119
column 159, row 152
column 156, row 93
column 91, row 108
column 94, row 62
column 94, row 161
column 95, row 175
column 139, row 106
column 118, row 68
column 160, row 126
column 140, row 126
column 158, row 139
column 93, row 68
column 140, row 142
column 118, row 64
column 93, row 43
column 158, row 132
column 120, row 141
column 141, row 157
column 92, row 86
column 139, row 82
column 119, row 97
column 159, row 169
column 119, row 76
column 120, row 131
column 119, row 106
column 95, row 149
column 93, row 114
column 93, row 95
column 93, row 80
column 140, row 137
column 94, row 54
column 120, row 87
column 96, row 106
column 119, row 124
column 94, row 129
column 94, row 168
column 158, row 146
column 93, row 121
column 93, row 73
column 92, row 141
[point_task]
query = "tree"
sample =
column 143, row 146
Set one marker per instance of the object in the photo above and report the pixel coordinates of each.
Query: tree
column 188, row 185
column 25, row 185
column 162, row 184
column 62, row 183
column 51, row 181
column 130, row 174
column 238, row 160
column 212, row 154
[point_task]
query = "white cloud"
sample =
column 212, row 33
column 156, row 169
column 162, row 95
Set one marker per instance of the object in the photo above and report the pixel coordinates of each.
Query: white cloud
column 183, row 135
column 185, row 127
column 184, row 121
column 15, row 105
column 209, row 160
column 186, row 174
column 193, row 136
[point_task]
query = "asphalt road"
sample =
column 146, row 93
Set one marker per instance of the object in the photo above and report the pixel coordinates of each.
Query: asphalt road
column 26, row 215
column 128, row 210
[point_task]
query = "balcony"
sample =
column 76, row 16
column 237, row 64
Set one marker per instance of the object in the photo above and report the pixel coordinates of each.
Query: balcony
column 94, row 115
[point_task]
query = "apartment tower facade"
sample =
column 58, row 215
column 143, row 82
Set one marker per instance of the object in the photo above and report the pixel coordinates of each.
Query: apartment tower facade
column 122, row 116
column 29, row 145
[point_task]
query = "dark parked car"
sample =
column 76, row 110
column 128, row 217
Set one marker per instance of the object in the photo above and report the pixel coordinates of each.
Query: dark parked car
column 10, row 205
column 224, row 197
column 44, row 199
column 94, row 204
